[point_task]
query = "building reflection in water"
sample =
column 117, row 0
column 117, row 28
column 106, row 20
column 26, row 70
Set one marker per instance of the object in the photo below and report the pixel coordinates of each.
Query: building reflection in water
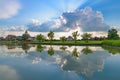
column 11, row 46
column 26, row 47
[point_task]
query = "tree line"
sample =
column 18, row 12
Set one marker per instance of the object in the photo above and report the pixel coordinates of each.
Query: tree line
column 112, row 35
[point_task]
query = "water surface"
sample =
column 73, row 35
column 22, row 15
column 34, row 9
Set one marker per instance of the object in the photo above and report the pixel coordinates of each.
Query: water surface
column 47, row 62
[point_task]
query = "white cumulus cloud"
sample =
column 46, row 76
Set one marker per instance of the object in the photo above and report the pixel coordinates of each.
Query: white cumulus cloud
column 35, row 22
column 16, row 28
column 9, row 8
column 86, row 19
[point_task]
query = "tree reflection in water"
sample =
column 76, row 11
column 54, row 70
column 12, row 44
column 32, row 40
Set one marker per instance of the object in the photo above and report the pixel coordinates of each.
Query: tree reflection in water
column 25, row 47
column 39, row 48
column 51, row 51
column 86, row 50
column 83, row 64
column 75, row 52
column 63, row 48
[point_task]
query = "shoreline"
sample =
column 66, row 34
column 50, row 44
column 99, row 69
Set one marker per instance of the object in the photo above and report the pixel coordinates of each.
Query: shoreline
column 112, row 43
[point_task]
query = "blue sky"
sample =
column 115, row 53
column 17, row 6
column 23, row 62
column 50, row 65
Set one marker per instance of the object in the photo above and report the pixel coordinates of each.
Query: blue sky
column 109, row 8
column 47, row 14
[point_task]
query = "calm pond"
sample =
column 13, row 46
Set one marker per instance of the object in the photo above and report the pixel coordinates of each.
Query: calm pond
column 48, row 62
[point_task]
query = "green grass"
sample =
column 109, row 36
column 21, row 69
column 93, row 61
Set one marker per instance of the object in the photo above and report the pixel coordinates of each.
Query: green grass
column 69, row 43
column 105, row 42
column 10, row 42
column 112, row 43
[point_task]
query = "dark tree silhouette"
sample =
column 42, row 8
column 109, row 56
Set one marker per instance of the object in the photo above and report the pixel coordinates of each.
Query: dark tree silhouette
column 112, row 34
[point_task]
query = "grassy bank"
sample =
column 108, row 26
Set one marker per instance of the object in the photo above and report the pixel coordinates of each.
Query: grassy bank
column 111, row 43
column 69, row 43
column 54, row 42
column 105, row 42
column 9, row 42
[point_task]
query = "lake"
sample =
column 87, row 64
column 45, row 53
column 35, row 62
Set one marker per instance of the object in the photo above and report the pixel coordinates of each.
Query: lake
column 53, row 62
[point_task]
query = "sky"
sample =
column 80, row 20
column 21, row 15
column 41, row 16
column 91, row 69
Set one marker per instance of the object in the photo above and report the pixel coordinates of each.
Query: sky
column 59, row 15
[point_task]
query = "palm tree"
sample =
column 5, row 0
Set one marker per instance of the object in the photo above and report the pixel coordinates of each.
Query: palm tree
column 63, row 38
column 86, row 36
column 75, row 35
column 50, row 35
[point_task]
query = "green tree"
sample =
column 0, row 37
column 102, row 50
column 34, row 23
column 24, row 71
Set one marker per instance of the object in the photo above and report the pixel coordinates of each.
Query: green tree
column 40, row 37
column 25, row 37
column 50, row 35
column 75, row 35
column 86, row 36
column 112, row 34
column 63, row 39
